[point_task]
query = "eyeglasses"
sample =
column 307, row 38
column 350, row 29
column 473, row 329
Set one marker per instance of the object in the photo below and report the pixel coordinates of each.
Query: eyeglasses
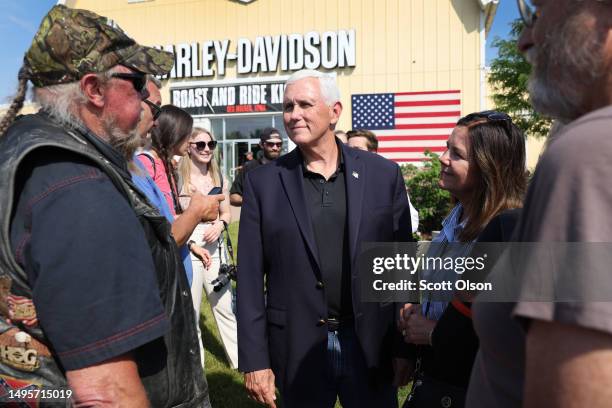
column 155, row 109
column 529, row 12
column 200, row 146
column 273, row 144
column 139, row 81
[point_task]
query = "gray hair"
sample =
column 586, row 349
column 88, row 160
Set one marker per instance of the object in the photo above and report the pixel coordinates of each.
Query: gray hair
column 327, row 83
column 60, row 101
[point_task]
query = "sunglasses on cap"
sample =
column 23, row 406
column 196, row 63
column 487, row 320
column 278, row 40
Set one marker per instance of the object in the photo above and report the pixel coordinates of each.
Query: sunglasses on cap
column 200, row 146
column 139, row 81
column 273, row 144
column 155, row 109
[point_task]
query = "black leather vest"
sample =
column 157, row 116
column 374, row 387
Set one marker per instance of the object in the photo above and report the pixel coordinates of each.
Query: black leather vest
column 171, row 379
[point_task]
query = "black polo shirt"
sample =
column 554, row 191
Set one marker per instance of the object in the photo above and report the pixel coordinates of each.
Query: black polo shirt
column 326, row 201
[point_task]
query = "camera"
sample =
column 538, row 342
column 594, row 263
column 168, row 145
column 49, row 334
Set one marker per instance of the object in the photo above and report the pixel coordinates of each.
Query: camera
column 226, row 273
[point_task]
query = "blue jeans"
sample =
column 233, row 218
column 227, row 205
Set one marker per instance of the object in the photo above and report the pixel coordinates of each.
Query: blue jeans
column 348, row 375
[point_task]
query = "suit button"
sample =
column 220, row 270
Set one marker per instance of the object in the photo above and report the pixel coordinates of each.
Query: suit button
column 321, row 322
column 319, row 285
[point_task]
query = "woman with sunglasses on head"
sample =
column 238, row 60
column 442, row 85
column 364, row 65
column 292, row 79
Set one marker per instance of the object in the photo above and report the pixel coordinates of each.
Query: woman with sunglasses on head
column 199, row 172
column 484, row 170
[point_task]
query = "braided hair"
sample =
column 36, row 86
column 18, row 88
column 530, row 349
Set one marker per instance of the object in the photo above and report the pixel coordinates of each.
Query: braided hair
column 173, row 127
column 17, row 103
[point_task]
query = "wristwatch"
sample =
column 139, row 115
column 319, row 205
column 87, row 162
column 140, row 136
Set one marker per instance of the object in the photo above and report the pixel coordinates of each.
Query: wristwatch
column 190, row 243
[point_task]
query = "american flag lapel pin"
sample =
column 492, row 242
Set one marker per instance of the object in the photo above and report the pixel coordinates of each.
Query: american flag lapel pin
column 355, row 174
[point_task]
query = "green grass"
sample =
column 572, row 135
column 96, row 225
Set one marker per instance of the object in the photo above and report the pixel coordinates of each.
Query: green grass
column 226, row 386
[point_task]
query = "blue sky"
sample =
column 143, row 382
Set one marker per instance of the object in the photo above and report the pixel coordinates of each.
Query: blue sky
column 506, row 13
column 20, row 19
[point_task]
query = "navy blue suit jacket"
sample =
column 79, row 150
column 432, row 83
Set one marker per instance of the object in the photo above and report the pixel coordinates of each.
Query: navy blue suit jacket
column 278, row 254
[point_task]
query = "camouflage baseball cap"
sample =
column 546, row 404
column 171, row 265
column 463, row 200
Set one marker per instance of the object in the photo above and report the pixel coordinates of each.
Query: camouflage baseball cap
column 71, row 43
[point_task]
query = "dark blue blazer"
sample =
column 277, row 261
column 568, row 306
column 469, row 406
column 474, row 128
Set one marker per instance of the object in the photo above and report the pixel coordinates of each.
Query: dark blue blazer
column 278, row 254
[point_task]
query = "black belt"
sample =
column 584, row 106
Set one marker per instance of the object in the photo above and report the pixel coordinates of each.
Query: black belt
column 335, row 323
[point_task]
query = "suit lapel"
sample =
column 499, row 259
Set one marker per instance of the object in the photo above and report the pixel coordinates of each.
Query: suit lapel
column 355, row 173
column 293, row 183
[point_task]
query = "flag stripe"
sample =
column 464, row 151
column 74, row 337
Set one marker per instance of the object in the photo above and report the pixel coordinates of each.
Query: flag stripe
column 429, row 93
column 445, row 119
column 411, row 109
column 428, row 103
column 412, row 132
column 426, row 98
column 409, row 138
column 428, row 114
column 411, row 149
column 427, row 126
column 411, row 143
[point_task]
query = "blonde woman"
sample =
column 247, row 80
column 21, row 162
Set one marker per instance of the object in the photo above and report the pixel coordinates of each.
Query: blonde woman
column 199, row 171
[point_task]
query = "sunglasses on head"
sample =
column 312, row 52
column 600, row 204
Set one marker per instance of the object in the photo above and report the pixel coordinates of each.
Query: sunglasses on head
column 155, row 109
column 139, row 81
column 490, row 115
column 273, row 144
column 200, row 146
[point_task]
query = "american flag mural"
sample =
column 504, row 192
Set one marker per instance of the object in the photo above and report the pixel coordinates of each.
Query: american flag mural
column 408, row 123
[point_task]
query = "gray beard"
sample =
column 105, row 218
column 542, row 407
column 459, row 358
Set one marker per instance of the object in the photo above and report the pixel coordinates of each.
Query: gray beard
column 566, row 67
column 125, row 143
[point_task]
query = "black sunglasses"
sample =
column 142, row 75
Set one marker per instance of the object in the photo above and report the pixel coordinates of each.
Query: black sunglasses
column 202, row 145
column 272, row 144
column 139, row 81
column 155, row 109
column 490, row 115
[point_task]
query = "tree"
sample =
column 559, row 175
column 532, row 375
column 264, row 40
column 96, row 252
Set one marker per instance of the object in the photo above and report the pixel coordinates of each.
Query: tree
column 508, row 78
column 431, row 201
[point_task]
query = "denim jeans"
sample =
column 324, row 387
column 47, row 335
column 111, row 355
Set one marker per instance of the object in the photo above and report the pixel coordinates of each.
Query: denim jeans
column 348, row 375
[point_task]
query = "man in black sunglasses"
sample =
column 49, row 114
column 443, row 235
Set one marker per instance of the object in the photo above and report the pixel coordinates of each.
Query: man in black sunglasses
column 271, row 144
column 92, row 292
column 559, row 355
column 151, row 108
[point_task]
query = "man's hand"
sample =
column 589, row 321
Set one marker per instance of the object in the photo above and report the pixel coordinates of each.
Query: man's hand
column 206, row 206
column 260, row 386
column 403, row 369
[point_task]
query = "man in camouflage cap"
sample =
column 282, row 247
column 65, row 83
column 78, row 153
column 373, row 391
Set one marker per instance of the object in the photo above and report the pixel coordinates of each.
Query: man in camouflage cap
column 94, row 301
